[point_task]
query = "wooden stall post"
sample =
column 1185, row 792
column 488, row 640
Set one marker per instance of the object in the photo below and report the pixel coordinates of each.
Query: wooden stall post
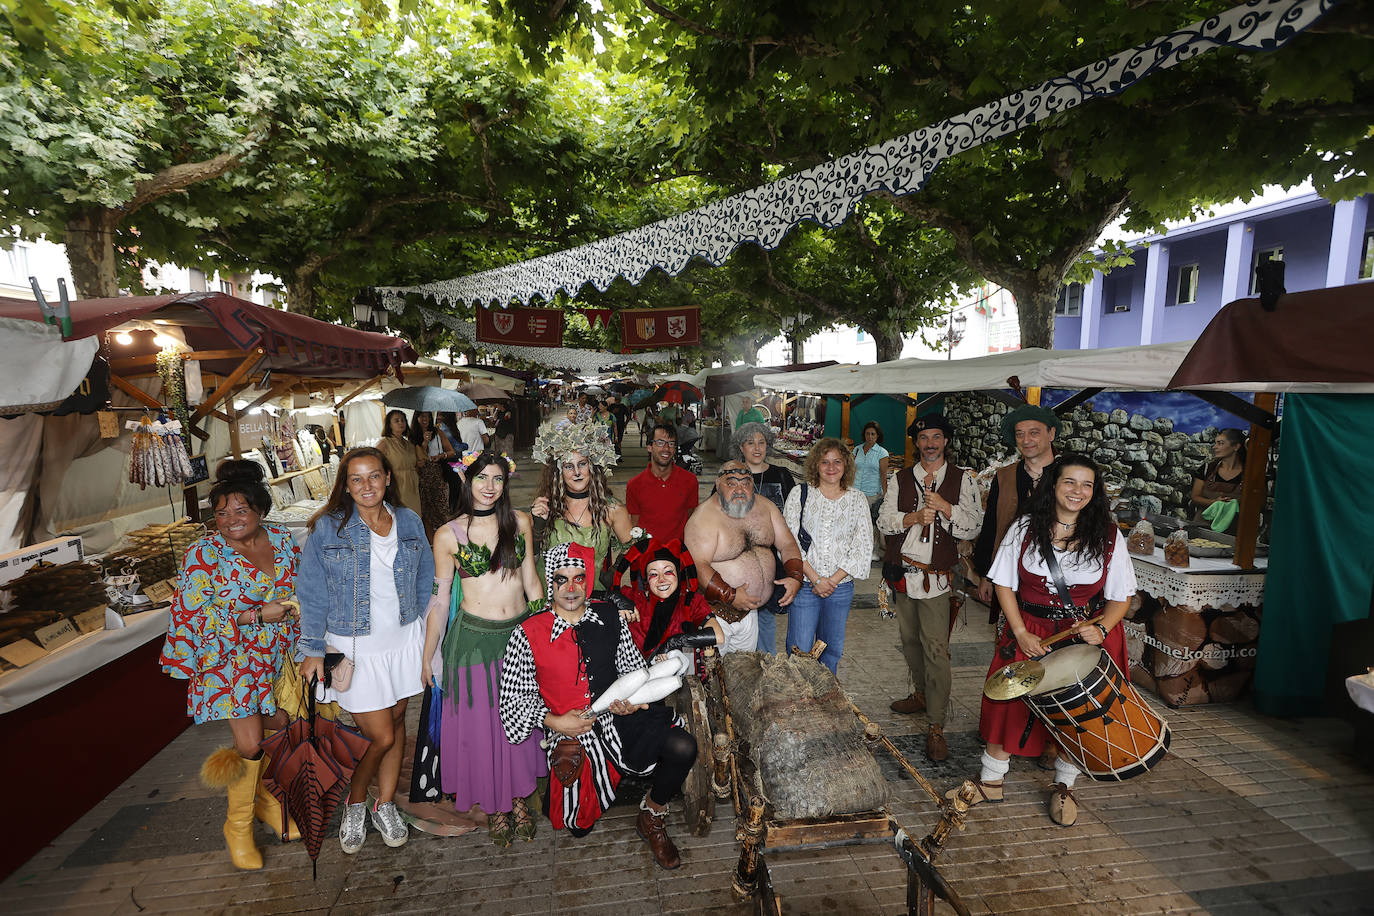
column 844, row 417
column 1254, row 488
column 235, row 442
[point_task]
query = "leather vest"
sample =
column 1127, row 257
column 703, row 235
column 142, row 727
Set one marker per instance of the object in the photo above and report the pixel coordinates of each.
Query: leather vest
column 944, row 551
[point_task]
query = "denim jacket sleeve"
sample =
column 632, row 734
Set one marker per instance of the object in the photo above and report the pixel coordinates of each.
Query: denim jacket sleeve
column 312, row 590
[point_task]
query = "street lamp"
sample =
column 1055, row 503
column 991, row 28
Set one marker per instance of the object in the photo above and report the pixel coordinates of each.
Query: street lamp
column 790, row 326
column 954, row 333
column 367, row 314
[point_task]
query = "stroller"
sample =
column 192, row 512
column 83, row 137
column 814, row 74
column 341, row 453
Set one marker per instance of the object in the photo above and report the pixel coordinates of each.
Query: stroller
column 687, row 439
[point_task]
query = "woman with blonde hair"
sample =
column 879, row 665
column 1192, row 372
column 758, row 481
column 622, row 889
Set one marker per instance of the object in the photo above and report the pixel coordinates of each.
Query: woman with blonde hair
column 829, row 517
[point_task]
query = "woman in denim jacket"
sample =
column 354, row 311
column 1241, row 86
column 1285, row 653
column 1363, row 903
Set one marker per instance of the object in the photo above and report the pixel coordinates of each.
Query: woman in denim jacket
column 366, row 574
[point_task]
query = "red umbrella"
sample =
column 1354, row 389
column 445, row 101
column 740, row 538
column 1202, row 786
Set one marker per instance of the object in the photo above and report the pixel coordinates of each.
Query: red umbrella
column 312, row 760
column 677, row 393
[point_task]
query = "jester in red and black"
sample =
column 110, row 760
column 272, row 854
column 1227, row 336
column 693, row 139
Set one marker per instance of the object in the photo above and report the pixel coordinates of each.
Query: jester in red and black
column 557, row 663
column 664, row 620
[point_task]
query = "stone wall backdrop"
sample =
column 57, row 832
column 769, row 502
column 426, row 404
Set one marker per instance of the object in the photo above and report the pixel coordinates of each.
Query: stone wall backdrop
column 1155, row 463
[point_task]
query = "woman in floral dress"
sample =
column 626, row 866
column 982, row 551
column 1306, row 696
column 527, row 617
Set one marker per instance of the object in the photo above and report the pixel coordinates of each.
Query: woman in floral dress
column 230, row 631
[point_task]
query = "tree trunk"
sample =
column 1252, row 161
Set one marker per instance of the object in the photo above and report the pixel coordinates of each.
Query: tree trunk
column 89, row 238
column 889, row 343
column 1035, row 301
column 300, row 295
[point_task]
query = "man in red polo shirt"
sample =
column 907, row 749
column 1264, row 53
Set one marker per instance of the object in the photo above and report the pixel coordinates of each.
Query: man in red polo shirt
column 661, row 497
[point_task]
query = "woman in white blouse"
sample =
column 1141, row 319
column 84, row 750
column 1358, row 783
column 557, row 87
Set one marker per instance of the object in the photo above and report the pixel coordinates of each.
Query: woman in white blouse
column 829, row 517
column 1068, row 518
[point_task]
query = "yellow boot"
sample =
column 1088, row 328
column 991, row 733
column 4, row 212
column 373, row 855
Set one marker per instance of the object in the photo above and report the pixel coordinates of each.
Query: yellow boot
column 267, row 809
column 225, row 768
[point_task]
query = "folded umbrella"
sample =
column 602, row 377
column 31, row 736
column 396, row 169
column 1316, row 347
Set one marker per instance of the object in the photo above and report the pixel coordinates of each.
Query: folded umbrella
column 312, row 761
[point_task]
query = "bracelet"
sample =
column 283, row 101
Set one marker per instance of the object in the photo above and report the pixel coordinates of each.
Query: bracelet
column 1102, row 628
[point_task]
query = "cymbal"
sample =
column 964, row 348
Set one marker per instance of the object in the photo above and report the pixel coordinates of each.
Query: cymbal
column 1015, row 680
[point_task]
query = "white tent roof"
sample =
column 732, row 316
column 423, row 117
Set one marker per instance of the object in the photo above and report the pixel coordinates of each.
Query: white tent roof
column 1146, row 368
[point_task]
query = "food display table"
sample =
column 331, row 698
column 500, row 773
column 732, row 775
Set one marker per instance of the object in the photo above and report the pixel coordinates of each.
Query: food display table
column 1192, row 633
column 103, row 694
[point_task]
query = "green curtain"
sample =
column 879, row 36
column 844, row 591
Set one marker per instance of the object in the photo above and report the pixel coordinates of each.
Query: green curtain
column 889, row 412
column 1321, row 549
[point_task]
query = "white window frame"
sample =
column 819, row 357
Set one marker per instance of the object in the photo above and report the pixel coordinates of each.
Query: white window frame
column 1366, row 271
column 1070, row 301
column 1186, row 270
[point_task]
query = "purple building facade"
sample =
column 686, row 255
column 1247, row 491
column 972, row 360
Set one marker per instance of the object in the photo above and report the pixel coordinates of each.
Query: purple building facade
column 1183, row 277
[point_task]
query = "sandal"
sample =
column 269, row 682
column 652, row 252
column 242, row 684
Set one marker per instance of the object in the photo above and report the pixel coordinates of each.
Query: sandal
column 524, row 820
column 500, row 829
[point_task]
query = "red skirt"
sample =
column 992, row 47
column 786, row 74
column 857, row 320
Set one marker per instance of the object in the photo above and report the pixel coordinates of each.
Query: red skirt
column 1004, row 721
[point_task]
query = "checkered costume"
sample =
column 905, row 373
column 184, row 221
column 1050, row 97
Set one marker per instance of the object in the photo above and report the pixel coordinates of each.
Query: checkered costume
column 552, row 666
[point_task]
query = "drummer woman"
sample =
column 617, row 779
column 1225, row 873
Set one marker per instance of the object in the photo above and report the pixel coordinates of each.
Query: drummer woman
column 1068, row 516
column 1221, row 479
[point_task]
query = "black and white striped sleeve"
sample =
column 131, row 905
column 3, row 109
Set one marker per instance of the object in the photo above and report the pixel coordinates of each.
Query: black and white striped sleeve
column 522, row 707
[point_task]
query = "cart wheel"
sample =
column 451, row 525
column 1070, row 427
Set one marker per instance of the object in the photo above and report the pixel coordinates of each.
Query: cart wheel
column 690, row 703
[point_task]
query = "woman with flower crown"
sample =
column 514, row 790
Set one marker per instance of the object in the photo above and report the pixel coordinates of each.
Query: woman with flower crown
column 574, row 502
column 489, row 546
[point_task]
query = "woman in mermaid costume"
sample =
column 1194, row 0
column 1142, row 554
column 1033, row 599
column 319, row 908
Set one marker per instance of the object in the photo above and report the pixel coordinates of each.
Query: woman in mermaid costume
column 488, row 547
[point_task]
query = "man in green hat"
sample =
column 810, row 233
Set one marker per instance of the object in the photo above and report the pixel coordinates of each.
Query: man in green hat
column 1030, row 430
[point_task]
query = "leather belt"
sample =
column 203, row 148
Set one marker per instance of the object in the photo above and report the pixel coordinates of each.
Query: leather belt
column 1054, row 612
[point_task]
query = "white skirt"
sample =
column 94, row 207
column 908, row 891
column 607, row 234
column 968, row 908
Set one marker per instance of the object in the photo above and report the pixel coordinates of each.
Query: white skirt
column 742, row 636
column 383, row 676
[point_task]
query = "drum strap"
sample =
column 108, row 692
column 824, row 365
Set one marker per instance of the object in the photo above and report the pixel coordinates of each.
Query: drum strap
column 1059, row 585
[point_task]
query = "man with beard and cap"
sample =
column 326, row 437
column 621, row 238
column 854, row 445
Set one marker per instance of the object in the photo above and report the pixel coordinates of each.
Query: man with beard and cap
column 927, row 510
column 732, row 538
column 557, row 663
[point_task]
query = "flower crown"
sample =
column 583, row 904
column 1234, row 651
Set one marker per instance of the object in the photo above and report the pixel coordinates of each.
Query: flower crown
column 471, row 456
column 589, row 439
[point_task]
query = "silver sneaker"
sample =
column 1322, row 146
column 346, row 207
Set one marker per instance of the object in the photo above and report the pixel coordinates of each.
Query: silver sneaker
column 353, row 829
column 389, row 824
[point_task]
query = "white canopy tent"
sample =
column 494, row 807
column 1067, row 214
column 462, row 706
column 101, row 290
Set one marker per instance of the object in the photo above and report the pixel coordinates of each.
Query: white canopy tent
column 1146, row 368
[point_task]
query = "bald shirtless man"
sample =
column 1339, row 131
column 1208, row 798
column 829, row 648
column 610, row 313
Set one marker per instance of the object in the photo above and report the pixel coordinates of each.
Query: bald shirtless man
column 731, row 538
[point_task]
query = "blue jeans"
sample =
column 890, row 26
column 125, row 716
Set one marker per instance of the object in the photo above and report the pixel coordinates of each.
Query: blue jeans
column 768, row 631
column 811, row 617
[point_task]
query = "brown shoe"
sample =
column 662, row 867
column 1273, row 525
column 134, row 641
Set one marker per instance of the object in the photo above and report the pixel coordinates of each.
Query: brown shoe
column 1063, row 806
column 650, row 828
column 987, row 792
column 916, row 702
column 936, row 748
column 1048, row 757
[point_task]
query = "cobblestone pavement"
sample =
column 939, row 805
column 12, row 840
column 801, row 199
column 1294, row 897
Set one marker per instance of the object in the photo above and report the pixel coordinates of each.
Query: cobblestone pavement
column 1248, row 814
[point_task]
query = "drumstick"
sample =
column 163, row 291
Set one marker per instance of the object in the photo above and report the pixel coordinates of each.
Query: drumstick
column 1067, row 633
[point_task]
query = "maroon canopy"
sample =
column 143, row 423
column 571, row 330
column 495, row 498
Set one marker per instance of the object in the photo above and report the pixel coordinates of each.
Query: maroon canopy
column 216, row 321
column 1313, row 341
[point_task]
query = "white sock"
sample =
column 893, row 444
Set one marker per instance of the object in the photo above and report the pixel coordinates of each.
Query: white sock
column 993, row 769
column 1065, row 772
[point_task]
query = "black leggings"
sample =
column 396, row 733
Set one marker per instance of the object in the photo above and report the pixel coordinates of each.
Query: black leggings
column 674, row 763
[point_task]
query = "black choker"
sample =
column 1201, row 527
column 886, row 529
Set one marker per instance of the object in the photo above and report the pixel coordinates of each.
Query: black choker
column 583, row 495
column 482, row 513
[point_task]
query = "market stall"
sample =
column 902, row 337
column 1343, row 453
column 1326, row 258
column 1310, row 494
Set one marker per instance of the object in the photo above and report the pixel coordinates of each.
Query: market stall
column 176, row 364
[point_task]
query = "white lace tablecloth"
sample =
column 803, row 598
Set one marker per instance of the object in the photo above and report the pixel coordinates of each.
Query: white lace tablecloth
column 1205, row 583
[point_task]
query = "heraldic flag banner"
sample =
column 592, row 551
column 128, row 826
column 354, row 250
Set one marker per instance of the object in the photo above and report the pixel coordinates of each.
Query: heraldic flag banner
column 652, row 329
column 522, row 326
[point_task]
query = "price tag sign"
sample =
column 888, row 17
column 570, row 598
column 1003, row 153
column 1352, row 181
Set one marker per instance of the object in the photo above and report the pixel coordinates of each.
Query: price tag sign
column 22, row 652
column 56, row 634
column 92, row 620
column 109, row 424
column 162, row 591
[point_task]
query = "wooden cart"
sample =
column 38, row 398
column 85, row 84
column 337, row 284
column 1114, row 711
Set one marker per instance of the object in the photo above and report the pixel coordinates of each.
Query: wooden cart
column 725, row 771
